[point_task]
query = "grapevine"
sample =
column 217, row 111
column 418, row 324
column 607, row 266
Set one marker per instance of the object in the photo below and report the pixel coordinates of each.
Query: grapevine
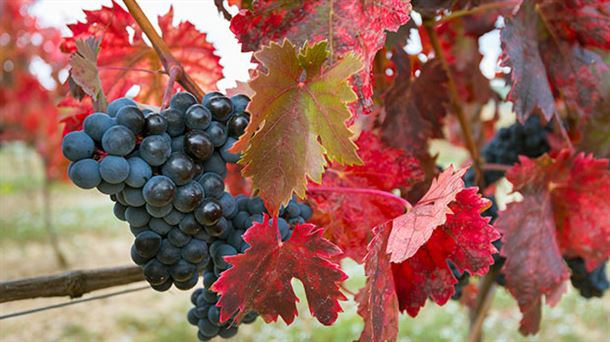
column 329, row 152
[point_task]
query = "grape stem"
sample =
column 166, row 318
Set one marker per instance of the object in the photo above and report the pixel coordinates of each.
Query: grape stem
column 429, row 25
column 482, row 306
column 371, row 192
column 170, row 63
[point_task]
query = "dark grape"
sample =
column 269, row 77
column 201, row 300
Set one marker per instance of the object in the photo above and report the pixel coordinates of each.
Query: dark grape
column 208, row 279
column 229, row 157
column 207, row 329
column 213, row 184
column 228, row 204
column 147, row 243
column 220, row 107
column 96, row 124
column 209, row 212
column 198, row 145
column 240, row 102
column 155, row 149
column 137, row 258
column 215, row 164
column 159, row 191
column 133, row 197
column 132, row 118
column 110, row 189
column 188, row 197
column 179, row 168
column 77, row 145
column 256, row 206
column 195, row 251
column 155, row 124
column 137, row 217
column 178, row 144
column 219, row 228
column 118, row 140
column 119, row 211
column 173, row 217
column 217, row 133
column 198, row 117
column 185, row 285
column 589, row 284
column 177, row 238
column 168, row 253
column 159, row 226
column 221, row 252
column 114, row 106
column 237, row 125
column 85, row 173
column 155, row 272
column 207, row 97
column 189, row 225
column 175, row 121
column 182, row 271
column 163, row 286
column 182, row 101
column 114, row 169
column 139, row 172
column 159, row 212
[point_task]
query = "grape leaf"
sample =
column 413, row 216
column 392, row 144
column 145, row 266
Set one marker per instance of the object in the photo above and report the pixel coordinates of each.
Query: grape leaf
column 348, row 218
column 298, row 117
column 546, row 49
column 411, row 230
column 415, row 107
column 377, row 301
column 84, row 70
column 126, row 60
column 260, row 278
column 350, row 26
column 565, row 212
column 465, row 239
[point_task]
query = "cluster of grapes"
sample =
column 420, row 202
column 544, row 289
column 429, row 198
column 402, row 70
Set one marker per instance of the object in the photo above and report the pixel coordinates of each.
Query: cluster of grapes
column 509, row 143
column 205, row 315
column 589, row 284
column 165, row 171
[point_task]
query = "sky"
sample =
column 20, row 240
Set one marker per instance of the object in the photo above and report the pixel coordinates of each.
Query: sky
column 203, row 14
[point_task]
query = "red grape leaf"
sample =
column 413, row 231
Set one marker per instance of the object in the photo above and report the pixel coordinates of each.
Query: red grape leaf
column 126, row 60
column 377, row 301
column 298, row 118
column 411, row 230
column 465, row 240
column 348, row 218
column 415, row 107
column 545, row 48
column 565, row 212
column 260, row 278
column 350, row 26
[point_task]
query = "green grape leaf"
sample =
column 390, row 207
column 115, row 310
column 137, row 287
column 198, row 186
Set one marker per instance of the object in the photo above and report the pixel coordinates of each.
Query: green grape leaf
column 298, row 120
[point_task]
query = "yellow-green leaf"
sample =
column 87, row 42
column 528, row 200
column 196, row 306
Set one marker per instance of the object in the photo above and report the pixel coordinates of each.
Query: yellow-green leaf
column 298, row 120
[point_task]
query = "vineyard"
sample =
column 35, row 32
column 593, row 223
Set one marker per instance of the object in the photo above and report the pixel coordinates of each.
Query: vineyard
column 380, row 175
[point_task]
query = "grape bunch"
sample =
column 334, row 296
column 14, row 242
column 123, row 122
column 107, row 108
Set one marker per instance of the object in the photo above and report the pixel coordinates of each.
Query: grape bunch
column 165, row 172
column 206, row 315
column 589, row 284
column 529, row 139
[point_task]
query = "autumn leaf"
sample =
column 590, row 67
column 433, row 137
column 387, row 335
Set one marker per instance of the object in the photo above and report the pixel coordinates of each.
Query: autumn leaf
column 348, row 217
column 377, row 301
column 260, row 278
column 565, row 212
column 546, row 47
column 411, row 230
column 84, row 70
column 126, row 60
column 415, row 107
column 349, row 26
column 465, row 240
column 298, row 118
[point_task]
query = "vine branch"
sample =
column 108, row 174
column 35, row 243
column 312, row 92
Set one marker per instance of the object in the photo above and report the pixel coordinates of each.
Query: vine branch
column 482, row 306
column 72, row 284
column 170, row 63
column 455, row 101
